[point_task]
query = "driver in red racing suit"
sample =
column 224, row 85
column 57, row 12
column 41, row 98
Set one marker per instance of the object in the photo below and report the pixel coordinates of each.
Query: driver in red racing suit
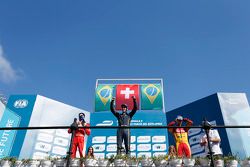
column 78, row 141
column 181, row 136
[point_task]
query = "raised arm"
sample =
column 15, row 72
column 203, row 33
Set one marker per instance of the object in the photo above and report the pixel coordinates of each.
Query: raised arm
column 112, row 108
column 172, row 123
column 87, row 130
column 132, row 113
column 188, row 122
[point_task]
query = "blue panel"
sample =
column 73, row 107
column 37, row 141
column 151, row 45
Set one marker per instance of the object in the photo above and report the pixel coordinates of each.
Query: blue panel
column 21, row 105
column 143, row 141
column 9, row 119
column 204, row 108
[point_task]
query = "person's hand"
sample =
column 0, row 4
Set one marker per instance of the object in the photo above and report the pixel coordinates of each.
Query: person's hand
column 74, row 126
column 185, row 119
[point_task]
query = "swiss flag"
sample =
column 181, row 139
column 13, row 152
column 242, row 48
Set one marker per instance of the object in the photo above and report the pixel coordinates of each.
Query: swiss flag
column 124, row 95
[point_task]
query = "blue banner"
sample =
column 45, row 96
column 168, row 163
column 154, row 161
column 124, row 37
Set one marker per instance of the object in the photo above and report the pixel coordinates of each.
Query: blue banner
column 148, row 142
column 22, row 106
column 7, row 137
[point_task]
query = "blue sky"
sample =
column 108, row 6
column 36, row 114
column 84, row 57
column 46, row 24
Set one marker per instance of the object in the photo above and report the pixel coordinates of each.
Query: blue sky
column 58, row 48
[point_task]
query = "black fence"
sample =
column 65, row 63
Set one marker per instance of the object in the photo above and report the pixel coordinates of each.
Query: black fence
column 205, row 125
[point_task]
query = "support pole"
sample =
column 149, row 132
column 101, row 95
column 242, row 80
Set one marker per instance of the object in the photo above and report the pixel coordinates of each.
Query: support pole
column 73, row 130
column 207, row 126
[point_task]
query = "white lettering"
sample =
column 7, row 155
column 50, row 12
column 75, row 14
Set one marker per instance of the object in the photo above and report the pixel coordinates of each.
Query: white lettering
column 5, row 135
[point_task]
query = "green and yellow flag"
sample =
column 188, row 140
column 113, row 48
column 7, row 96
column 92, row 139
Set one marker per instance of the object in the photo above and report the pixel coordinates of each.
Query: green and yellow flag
column 103, row 97
column 151, row 97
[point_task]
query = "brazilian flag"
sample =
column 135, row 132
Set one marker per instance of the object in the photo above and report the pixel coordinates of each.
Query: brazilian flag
column 151, row 97
column 103, row 97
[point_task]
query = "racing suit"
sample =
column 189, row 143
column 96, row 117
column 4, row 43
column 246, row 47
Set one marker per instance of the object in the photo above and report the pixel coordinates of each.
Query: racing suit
column 181, row 138
column 123, row 133
column 78, row 141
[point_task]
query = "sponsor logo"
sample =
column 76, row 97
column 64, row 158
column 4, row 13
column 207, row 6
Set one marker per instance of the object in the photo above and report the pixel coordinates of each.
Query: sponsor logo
column 61, row 142
column 110, row 155
column 197, row 149
column 111, row 139
column 195, row 139
column 43, row 147
column 99, row 139
column 105, row 123
column 45, row 137
column 143, row 139
column 132, row 139
column 39, row 155
column 21, row 103
column 99, row 147
column 143, row 147
column 111, row 147
column 144, row 154
column 159, row 154
column 59, row 150
column 99, row 155
column 159, row 147
column 132, row 147
column 158, row 139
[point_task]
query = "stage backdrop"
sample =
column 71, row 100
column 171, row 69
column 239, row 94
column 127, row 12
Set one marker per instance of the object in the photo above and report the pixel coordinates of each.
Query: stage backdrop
column 36, row 110
column 148, row 142
column 220, row 109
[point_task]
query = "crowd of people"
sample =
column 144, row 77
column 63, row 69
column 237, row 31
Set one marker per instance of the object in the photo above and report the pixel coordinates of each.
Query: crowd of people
column 178, row 128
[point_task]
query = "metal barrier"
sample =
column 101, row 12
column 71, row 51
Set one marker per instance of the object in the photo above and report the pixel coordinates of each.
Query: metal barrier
column 205, row 125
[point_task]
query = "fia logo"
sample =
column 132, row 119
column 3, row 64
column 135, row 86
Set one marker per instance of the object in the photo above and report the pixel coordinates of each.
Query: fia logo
column 21, row 103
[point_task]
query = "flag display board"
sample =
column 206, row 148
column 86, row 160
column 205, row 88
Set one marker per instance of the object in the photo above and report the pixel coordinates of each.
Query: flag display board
column 124, row 95
column 32, row 111
column 151, row 97
column 103, row 97
column 148, row 96
column 144, row 142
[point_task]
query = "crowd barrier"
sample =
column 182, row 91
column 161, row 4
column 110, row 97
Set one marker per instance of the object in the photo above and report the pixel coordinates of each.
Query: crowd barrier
column 122, row 160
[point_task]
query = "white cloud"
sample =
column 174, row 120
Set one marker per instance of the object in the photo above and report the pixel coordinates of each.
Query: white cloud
column 7, row 73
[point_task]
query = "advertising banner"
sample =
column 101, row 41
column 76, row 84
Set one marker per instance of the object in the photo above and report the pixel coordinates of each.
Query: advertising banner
column 147, row 142
column 33, row 111
column 151, row 97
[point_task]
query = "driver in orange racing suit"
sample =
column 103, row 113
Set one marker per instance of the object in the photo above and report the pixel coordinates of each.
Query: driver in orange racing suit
column 181, row 136
column 78, row 140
